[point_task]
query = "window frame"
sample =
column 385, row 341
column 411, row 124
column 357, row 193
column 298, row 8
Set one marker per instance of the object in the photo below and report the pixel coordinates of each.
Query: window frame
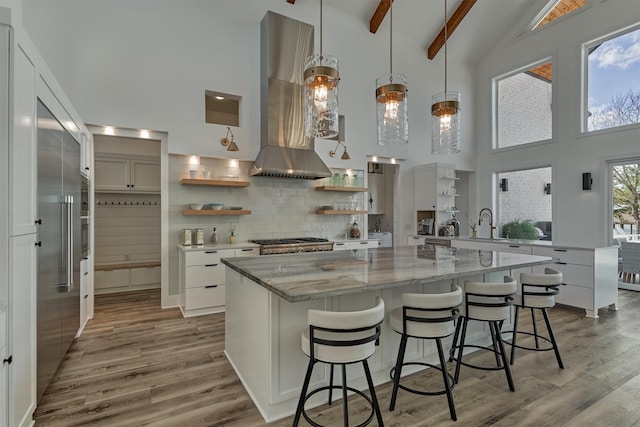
column 584, row 95
column 495, row 99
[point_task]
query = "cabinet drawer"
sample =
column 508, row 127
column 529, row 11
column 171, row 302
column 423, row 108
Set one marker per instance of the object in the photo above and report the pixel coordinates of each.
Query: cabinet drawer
column 577, row 275
column 415, row 240
column 247, row 252
column 517, row 249
column 575, row 296
column 145, row 276
column 205, row 257
column 200, row 275
column 104, row 279
column 569, row 256
column 204, row 297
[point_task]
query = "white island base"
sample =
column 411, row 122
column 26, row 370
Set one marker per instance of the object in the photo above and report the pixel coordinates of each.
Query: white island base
column 262, row 341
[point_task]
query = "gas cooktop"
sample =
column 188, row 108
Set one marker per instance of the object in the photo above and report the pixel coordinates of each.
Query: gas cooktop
column 289, row 241
column 293, row 245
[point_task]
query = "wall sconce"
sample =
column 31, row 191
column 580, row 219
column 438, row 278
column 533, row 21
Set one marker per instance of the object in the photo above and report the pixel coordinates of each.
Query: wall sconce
column 504, row 184
column 547, row 188
column 229, row 143
column 587, row 181
column 345, row 155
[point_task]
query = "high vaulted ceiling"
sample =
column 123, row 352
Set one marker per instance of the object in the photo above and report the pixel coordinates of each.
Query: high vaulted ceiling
column 422, row 20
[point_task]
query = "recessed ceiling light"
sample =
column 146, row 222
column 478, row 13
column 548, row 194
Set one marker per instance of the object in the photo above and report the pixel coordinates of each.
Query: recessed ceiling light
column 220, row 98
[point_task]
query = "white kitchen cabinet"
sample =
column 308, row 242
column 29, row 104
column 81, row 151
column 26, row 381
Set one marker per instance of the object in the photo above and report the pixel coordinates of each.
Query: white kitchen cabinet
column 22, row 321
column 86, row 150
column 435, row 191
column 114, row 174
column 355, row 244
column 589, row 275
column 4, row 368
column 375, row 202
column 415, row 240
column 202, row 279
column 22, row 149
column 84, row 294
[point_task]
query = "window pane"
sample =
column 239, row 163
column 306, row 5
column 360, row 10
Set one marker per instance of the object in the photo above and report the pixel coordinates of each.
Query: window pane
column 524, row 210
column 524, row 106
column 613, row 90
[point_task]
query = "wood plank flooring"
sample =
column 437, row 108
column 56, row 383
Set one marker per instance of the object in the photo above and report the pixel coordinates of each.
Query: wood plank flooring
column 138, row 365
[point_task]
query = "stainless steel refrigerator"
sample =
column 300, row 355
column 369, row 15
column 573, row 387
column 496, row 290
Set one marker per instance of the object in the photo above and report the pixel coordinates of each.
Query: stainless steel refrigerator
column 58, row 244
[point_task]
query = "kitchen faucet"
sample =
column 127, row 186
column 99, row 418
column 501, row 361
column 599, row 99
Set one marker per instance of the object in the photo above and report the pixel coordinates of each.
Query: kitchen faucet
column 490, row 215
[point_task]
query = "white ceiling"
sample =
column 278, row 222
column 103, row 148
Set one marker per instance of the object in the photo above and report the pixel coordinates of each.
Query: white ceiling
column 421, row 20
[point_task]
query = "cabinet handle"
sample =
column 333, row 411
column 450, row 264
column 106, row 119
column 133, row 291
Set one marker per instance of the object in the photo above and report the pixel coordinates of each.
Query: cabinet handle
column 364, row 243
column 8, row 360
column 132, row 185
column 210, row 265
column 86, row 168
column 514, row 246
column 211, row 252
column 562, row 263
column 560, row 250
column 86, row 296
column 339, row 244
column 38, row 222
column 38, row 244
column 128, row 185
column 86, row 273
column 247, row 250
column 211, row 286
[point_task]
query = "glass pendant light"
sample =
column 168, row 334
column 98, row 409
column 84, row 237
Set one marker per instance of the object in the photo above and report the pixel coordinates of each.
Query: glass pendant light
column 321, row 79
column 391, row 101
column 445, row 112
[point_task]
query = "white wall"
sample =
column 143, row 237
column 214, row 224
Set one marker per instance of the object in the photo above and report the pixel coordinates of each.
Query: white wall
column 579, row 217
column 146, row 64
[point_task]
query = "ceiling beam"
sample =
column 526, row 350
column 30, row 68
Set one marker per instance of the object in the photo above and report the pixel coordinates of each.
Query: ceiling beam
column 455, row 20
column 378, row 15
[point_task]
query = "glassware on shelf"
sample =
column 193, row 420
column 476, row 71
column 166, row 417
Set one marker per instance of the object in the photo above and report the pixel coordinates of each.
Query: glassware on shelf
column 346, row 180
column 336, row 181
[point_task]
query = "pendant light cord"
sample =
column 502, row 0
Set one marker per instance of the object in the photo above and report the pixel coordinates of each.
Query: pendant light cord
column 320, row 32
column 446, row 36
column 390, row 36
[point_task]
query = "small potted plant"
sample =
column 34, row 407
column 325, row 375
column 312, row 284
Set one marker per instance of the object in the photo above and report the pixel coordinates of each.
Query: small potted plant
column 474, row 232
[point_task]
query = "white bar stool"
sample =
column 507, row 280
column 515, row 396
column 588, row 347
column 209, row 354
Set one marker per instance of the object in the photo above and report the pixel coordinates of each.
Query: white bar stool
column 537, row 292
column 341, row 338
column 425, row 316
column 491, row 303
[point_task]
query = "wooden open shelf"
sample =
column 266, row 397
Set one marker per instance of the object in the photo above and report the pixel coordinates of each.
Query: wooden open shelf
column 345, row 189
column 334, row 212
column 214, row 182
column 212, row 212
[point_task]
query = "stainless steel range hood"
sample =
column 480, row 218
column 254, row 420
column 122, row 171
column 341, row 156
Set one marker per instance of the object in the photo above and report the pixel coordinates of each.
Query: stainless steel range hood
column 285, row 152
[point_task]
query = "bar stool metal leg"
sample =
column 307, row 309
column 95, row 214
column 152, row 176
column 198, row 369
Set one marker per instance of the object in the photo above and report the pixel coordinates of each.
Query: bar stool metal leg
column 505, row 362
column 345, row 404
column 460, row 348
column 398, row 371
column 372, row 391
column 515, row 334
column 303, row 393
column 445, row 376
column 553, row 338
column 331, row 384
column 535, row 327
column 456, row 334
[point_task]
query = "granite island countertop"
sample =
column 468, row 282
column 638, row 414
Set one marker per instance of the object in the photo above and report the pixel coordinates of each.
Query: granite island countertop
column 307, row 276
column 505, row 241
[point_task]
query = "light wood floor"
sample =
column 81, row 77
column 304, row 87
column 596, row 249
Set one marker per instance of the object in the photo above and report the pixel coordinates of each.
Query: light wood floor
column 138, row 365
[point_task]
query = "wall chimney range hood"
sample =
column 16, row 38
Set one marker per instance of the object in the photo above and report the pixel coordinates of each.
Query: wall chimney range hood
column 285, row 151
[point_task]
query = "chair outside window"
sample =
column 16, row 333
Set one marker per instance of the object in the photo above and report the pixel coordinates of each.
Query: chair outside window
column 630, row 261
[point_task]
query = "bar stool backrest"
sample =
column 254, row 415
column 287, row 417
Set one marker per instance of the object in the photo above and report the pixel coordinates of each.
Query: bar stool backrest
column 343, row 337
column 630, row 257
column 489, row 301
column 430, row 315
column 539, row 290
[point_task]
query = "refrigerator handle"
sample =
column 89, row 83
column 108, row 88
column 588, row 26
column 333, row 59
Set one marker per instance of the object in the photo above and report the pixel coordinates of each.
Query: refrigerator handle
column 69, row 203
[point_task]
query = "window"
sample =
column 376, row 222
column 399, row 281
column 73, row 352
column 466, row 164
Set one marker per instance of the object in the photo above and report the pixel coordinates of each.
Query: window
column 222, row 108
column 555, row 10
column 524, row 209
column 613, row 81
column 524, row 106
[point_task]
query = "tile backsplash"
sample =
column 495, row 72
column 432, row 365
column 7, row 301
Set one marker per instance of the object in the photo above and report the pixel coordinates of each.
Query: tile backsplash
column 280, row 207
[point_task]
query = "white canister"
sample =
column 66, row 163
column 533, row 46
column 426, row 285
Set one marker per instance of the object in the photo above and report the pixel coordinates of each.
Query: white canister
column 185, row 237
column 199, row 236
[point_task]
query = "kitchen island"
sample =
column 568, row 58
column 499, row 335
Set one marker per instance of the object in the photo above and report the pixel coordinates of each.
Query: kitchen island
column 267, row 299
